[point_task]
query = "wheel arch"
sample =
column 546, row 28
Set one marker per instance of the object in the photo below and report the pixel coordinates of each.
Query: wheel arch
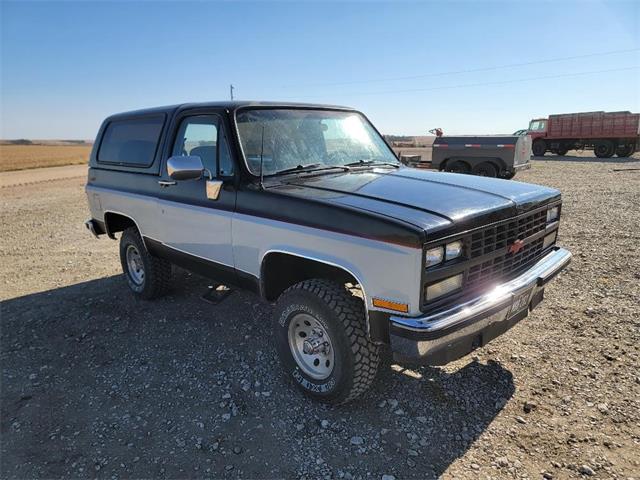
column 309, row 265
column 118, row 222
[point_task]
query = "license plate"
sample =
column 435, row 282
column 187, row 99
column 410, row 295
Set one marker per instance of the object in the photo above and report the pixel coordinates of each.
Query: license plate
column 520, row 302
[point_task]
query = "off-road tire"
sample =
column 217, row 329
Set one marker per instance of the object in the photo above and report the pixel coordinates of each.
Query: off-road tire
column 342, row 315
column 157, row 271
column 485, row 169
column 539, row 147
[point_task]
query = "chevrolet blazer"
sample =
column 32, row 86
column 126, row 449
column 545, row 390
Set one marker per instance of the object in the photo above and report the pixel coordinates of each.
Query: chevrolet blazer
column 308, row 207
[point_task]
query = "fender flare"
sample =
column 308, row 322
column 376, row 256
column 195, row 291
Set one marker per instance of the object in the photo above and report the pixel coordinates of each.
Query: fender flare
column 110, row 234
column 322, row 261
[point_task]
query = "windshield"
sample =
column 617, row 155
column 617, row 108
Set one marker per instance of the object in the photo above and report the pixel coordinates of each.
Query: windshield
column 537, row 125
column 289, row 139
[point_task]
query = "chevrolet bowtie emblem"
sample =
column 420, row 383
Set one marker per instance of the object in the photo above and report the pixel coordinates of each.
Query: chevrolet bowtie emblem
column 515, row 247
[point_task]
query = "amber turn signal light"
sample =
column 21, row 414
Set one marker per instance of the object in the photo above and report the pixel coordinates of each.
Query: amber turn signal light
column 389, row 305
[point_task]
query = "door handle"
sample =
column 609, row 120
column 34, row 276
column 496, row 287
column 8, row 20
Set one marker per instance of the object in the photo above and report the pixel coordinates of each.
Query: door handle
column 164, row 183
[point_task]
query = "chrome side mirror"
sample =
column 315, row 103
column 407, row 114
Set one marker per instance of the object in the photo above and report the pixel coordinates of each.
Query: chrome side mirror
column 183, row 167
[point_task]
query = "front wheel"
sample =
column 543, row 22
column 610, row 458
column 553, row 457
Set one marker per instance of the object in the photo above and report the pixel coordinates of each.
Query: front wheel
column 539, row 147
column 322, row 341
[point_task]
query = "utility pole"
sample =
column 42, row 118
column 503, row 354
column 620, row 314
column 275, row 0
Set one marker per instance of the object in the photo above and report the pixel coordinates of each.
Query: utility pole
column 231, row 91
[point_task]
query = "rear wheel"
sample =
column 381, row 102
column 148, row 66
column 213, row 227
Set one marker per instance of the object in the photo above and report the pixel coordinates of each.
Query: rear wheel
column 624, row 151
column 322, row 342
column 485, row 169
column 458, row 166
column 539, row 147
column 562, row 151
column 147, row 276
column 604, row 149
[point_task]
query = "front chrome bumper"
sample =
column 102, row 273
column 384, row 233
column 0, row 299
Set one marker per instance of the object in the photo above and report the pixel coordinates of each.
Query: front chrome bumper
column 443, row 336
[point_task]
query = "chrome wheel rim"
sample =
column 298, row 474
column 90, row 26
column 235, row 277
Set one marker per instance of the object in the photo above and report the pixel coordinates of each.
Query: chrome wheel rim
column 135, row 266
column 311, row 346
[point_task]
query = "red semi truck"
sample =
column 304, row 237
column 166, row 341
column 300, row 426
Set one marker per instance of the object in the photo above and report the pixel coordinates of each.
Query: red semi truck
column 607, row 133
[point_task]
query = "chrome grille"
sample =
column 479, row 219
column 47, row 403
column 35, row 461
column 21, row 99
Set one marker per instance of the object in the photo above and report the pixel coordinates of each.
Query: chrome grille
column 498, row 237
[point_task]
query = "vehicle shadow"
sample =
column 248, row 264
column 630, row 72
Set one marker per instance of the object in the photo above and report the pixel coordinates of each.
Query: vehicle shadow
column 96, row 381
column 575, row 158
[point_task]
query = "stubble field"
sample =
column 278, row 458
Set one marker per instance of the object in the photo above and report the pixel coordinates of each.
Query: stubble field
column 51, row 154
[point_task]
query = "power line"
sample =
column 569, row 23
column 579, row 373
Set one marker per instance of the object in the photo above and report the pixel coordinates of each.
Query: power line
column 467, row 85
column 471, row 70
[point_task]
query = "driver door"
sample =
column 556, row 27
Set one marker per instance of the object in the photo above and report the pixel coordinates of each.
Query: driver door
column 196, row 226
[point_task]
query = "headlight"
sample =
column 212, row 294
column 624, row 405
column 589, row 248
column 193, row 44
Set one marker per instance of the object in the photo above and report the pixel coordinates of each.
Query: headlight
column 549, row 239
column 443, row 287
column 434, row 256
column 453, row 250
column 552, row 214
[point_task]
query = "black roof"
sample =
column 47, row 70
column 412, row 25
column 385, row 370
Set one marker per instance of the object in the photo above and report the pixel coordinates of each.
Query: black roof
column 230, row 105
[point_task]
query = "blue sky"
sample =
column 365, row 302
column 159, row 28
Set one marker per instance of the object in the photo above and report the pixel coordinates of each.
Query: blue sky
column 67, row 65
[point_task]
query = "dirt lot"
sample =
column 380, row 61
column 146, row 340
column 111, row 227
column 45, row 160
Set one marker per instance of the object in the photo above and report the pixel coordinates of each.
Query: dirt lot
column 19, row 157
column 97, row 384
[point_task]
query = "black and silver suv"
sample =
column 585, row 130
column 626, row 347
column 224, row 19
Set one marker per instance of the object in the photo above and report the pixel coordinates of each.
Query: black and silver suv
column 308, row 206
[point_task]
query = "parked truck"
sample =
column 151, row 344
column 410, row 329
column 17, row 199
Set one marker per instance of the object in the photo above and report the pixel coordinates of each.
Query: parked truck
column 487, row 155
column 606, row 133
column 308, row 207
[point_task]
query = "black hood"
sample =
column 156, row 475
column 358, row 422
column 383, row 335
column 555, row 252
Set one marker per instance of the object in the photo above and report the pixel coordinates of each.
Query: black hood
column 433, row 201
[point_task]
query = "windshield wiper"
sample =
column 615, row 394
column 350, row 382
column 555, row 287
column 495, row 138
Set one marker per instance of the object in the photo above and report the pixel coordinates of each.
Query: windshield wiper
column 371, row 162
column 298, row 168
column 312, row 167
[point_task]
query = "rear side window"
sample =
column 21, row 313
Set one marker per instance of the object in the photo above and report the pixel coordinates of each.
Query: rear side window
column 132, row 141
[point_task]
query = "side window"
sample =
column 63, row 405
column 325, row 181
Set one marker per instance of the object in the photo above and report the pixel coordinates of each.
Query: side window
column 132, row 141
column 201, row 136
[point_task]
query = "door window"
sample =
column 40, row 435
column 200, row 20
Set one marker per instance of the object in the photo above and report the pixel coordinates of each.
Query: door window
column 199, row 136
column 203, row 136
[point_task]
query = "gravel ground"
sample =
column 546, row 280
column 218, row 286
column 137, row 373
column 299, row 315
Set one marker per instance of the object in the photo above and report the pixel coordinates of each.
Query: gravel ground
column 98, row 384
